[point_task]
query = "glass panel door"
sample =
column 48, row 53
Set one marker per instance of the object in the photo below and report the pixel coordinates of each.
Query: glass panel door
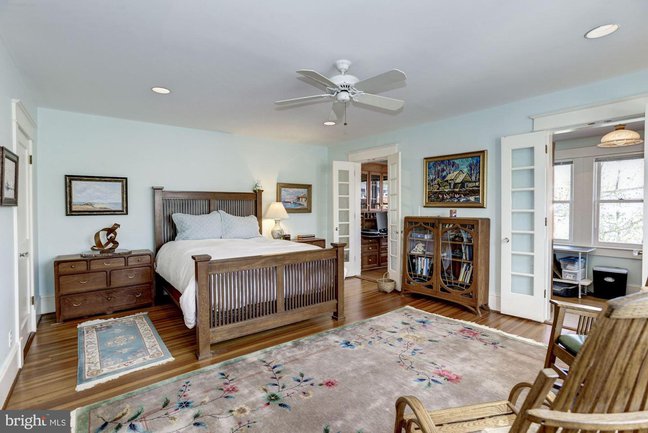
column 420, row 249
column 346, row 211
column 457, row 248
column 526, row 174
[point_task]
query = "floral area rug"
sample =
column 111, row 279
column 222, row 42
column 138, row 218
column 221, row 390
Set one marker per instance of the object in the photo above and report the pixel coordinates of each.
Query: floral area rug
column 111, row 348
column 344, row 380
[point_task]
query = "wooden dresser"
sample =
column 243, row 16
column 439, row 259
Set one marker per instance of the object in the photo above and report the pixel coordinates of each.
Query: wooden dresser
column 374, row 252
column 102, row 285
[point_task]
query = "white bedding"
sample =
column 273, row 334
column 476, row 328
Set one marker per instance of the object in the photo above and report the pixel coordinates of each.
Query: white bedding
column 174, row 262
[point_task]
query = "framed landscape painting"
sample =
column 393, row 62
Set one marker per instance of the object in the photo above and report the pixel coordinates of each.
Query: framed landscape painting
column 296, row 197
column 9, row 177
column 456, row 180
column 96, row 195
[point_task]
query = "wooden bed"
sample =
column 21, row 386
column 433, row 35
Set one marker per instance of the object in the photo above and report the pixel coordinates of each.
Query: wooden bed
column 290, row 287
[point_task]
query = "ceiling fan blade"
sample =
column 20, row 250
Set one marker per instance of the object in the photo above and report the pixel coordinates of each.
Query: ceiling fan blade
column 379, row 101
column 381, row 82
column 337, row 112
column 316, row 76
column 303, row 99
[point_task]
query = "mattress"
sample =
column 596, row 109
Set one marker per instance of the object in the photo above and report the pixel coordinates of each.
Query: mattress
column 175, row 265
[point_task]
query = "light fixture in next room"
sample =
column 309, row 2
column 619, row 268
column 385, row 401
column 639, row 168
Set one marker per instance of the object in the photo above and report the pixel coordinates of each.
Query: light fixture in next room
column 620, row 137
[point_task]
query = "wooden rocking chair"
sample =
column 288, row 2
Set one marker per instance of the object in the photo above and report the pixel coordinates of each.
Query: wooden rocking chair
column 565, row 346
column 605, row 390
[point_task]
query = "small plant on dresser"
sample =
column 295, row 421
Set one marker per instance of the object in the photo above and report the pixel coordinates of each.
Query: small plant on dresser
column 447, row 258
column 88, row 286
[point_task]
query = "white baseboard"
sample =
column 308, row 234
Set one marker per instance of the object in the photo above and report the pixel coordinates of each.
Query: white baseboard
column 46, row 304
column 494, row 302
column 8, row 372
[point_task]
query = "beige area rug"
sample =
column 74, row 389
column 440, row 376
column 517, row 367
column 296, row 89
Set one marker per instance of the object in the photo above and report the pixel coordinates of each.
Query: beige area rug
column 344, row 380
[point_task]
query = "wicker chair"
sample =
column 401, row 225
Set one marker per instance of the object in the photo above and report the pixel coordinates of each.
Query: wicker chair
column 606, row 389
column 565, row 346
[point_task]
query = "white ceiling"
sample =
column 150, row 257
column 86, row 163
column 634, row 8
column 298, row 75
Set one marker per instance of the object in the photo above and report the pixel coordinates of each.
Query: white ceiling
column 227, row 61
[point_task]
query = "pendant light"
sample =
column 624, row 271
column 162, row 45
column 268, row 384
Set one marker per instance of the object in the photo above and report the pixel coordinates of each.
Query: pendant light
column 620, row 137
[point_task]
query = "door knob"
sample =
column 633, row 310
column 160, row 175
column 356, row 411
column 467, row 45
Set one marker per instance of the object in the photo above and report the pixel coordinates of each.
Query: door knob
column 25, row 254
column 507, row 240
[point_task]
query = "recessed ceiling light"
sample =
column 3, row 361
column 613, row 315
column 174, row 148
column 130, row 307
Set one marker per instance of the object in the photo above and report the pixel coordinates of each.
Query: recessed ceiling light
column 161, row 90
column 601, row 31
column 329, row 123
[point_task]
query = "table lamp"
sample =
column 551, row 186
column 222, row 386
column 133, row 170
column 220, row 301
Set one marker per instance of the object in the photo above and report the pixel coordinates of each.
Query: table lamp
column 277, row 212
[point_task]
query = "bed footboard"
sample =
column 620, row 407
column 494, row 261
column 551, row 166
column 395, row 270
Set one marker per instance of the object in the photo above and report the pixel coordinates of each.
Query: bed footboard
column 241, row 296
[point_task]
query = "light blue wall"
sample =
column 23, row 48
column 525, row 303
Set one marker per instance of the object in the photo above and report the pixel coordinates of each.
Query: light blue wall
column 482, row 130
column 150, row 154
column 12, row 86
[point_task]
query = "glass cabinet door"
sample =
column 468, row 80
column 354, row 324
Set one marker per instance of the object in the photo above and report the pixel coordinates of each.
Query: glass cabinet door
column 385, row 192
column 374, row 198
column 420, row 252
column 457, row 250
column 363, row 191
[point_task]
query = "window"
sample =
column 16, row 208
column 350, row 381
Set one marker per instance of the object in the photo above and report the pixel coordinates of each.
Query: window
column 562, row 200
column 619, row 201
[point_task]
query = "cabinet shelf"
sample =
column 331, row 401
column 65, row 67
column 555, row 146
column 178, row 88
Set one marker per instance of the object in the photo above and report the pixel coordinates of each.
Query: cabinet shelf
column 458, row 262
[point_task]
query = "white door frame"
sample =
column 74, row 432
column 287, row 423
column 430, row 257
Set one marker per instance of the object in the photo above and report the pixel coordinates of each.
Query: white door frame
column 22, row 121
column 381, row 153
column 583, row 117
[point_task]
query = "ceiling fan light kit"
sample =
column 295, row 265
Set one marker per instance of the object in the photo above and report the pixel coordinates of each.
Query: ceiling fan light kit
column 345, row 88
column 620, row 137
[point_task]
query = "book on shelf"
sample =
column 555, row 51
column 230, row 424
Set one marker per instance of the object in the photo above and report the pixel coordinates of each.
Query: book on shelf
column 420, row 265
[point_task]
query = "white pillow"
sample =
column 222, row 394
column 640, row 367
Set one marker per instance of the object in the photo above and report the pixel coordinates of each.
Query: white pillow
column 235, row 227
column 195, row 227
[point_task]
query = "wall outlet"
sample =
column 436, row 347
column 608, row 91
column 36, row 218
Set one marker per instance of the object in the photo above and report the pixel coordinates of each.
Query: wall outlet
column 10, row 339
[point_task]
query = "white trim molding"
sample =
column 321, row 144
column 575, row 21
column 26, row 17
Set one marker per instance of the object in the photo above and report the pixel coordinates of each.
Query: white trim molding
column 585, row 116
column 9, row 371
column 373, row 153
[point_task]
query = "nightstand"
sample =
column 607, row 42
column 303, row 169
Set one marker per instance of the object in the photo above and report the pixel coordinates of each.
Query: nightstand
column 318, row 242
column 88, row 286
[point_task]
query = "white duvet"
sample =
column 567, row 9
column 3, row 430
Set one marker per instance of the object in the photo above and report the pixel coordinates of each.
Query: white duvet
column 174, row 262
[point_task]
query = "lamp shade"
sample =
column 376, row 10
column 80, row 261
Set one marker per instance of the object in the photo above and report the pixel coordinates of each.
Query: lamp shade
column 620, row 137
column 277, row 211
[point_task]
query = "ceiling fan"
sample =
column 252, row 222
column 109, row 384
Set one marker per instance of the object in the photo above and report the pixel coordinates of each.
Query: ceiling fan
column 345, row 88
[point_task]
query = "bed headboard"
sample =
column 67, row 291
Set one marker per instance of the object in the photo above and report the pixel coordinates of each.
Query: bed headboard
column 166, row 203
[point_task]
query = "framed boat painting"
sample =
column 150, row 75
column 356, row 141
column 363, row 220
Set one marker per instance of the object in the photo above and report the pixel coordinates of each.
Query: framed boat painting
column 457, row 180
column 96, row 195
column 296, row 197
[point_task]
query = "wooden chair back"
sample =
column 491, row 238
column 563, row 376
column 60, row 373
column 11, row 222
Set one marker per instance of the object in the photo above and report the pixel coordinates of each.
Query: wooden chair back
column 610, row 373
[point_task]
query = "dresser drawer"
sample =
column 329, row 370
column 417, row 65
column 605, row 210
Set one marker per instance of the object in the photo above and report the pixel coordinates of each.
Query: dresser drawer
column 72, row 267
column 82, row 282
column 104, row 301
column 117, row 262
column 369, row 260
column 369, row 241
column 370, row 248
column 139, row 260
column 130, row 277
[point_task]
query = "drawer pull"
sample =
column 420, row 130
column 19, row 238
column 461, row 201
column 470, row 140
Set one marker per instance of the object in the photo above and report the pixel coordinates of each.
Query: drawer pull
column 72, row 266
column 131, row 276
column 106, row 263
column 83, row 282
column 76, row 305
column 108, row 298
column 138, row 294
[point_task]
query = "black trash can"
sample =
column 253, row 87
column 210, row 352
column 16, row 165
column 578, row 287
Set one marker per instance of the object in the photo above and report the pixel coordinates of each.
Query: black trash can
column 610, row 282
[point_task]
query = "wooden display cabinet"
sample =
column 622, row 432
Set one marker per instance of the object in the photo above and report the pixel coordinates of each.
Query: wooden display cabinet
column 447, row 258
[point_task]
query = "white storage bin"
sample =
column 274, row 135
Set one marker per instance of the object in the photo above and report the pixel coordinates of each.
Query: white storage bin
column 573, row 275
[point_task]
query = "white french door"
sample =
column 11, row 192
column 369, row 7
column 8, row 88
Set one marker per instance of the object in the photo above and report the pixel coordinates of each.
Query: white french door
column 526, row 238
column 346, row 213
column 24, row 132
column 394, row 218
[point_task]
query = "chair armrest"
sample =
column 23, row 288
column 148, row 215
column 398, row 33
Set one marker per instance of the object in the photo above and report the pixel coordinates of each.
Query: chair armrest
column 590, row 421
column 514, row 395
column 421, row 416
column 588, row 310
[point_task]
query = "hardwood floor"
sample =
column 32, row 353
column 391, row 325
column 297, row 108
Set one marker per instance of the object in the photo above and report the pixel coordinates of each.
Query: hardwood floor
column 48, row 378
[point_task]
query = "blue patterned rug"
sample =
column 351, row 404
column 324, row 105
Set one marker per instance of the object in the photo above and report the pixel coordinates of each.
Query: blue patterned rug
column 112, row 348
column 343, row 380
